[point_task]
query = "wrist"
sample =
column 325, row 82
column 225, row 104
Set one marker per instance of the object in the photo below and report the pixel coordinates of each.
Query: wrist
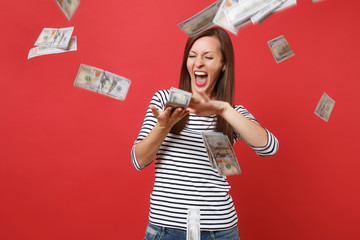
column 223, row 108
column 162, row 129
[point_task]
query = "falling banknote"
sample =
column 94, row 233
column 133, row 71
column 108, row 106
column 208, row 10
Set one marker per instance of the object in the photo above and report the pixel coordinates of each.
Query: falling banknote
column 221, row 153
column 44, row 50
column 68, row 7
column 103, row 82
column 324, row 107
column 280, row 49
column 221, row 18
column 200, row 21
column 55, row 37
column 178, row 98
column 233, row 14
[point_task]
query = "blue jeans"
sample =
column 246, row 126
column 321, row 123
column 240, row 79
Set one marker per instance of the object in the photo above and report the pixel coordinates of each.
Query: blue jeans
column 154, row 232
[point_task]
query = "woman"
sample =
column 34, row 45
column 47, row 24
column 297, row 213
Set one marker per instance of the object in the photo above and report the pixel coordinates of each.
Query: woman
column 184, row 178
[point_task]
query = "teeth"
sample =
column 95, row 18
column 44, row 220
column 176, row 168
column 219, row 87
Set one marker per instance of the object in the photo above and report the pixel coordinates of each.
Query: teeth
column 200, row 73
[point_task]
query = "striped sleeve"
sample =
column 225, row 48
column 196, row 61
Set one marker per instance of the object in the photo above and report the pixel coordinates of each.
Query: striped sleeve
column 272, row 146
column 158, row 100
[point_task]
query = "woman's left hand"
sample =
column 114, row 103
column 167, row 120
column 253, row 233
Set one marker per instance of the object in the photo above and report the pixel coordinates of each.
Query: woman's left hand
column 202, row 105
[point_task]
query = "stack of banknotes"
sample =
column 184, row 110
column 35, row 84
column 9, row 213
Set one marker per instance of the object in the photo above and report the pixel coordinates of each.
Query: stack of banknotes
column 178, row 98
column 68, row 7
column 54, row 40
column 100, row 81
column 221, row 153
column 232, row 14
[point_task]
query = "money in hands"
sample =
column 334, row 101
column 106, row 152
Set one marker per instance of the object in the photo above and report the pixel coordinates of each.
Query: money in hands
column 44, row 50
column 221, row 153
column 324, row 107
column 200, row 21
column 178, row 98
column 55, row 37
column 100, row 81
column 68, row 7
column 280, row 49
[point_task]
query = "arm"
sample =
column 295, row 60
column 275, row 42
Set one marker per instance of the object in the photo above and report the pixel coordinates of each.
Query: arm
column 251, row 132
column 145, row 150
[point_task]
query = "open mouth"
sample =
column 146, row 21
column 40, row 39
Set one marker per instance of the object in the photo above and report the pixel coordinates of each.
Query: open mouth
column 200, row 78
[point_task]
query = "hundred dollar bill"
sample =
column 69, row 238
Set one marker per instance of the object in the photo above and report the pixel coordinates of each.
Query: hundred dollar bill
column 280, row 49
column 266, row 11
column 43, row 50
column 242, row 11
column 193, row 224
column 324, row 107
column 55, row 37
column 200, row 21
column 287, row 4
column 103, row 82
column 178, row 98
column 221, row 18
column 68, row 7
column 221, row 153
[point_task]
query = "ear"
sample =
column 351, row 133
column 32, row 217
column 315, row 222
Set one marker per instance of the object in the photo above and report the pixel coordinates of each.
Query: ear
column 223, row 68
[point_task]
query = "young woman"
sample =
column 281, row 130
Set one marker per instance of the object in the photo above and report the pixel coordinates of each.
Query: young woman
column 184, row 178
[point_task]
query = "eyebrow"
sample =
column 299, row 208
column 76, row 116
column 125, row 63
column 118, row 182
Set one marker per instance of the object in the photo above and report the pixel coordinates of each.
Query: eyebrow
column 204, row 52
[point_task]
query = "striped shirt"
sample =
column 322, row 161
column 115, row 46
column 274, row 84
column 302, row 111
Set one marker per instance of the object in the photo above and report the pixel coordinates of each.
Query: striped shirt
column 183, row 176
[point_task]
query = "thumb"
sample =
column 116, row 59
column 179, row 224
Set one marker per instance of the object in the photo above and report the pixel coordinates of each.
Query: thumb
column 154, row 110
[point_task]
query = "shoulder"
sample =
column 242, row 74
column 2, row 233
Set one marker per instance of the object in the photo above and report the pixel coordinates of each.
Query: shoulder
column 161, row 94
column 160, row 98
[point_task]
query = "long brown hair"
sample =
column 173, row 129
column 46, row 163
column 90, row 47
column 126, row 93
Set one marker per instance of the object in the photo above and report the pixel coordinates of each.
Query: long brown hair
column 224, row 88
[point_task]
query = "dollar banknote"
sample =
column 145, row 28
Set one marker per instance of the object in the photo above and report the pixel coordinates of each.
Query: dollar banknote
column 221, row 153
column 200, row 21
column 178, row 98
column 55, row 37
column 272, row 7
column 266, row 11
column 233, row 14
column 100, row 81
column 280, row 49
column 242, row 11
column 193, row 231
column 324, row 107
column 221, row 18
column 68, row 7
column 44, row 50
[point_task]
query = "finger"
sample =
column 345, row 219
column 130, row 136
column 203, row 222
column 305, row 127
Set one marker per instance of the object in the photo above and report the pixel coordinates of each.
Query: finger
column 154, row 110
column 191, row 110
column 168, row 111
column 182, row 113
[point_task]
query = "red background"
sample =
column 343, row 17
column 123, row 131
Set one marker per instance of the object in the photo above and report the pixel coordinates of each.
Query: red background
column 65, row 168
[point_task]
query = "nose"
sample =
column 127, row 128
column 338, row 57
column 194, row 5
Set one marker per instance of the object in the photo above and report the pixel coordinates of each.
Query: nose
column 199, row 62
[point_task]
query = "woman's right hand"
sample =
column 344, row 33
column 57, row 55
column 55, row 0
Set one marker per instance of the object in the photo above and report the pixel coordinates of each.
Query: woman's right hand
column 146, row 149
column 167, row 119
